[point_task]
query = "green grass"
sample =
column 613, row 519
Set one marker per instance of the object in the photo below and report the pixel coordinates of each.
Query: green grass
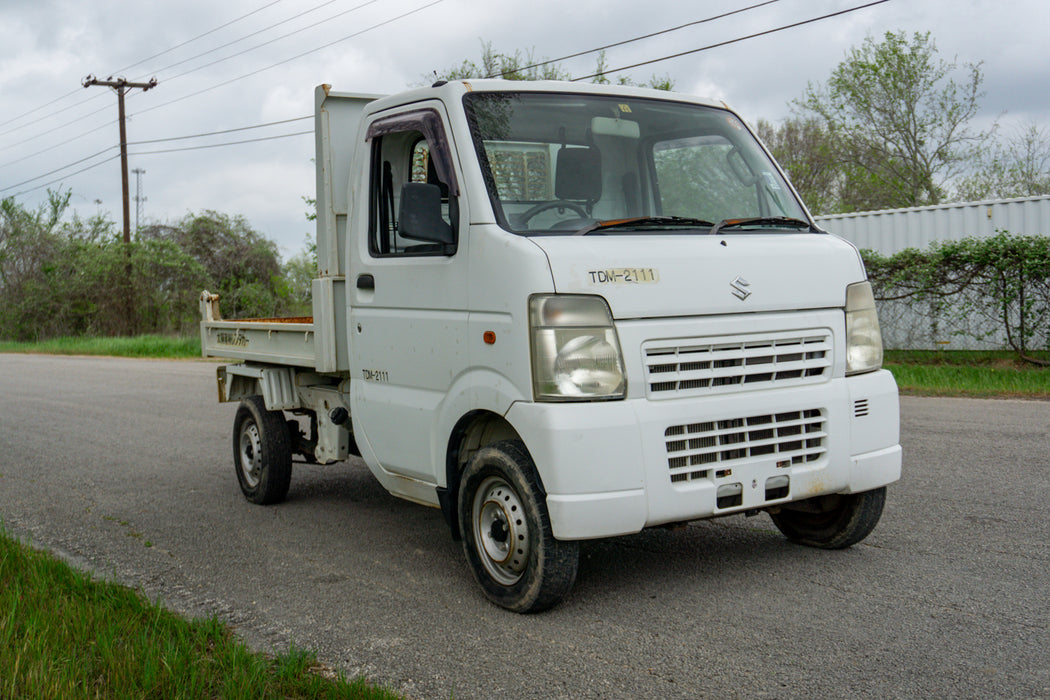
column 66, row 635
column 968, row 373
column 155, row 346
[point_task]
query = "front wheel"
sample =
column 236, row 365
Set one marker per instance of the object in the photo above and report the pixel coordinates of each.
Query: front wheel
column 507, row 534
column 262, row 452
column 831, row 522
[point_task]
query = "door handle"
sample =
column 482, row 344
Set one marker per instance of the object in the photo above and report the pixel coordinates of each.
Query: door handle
column 366, row 281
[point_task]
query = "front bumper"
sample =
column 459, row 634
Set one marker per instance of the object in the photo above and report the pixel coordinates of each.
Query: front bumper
column 614, row 468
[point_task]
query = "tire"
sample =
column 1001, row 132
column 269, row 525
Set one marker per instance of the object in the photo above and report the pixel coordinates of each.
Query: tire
column 262, row 452
column 832, row 522
column 507, row 535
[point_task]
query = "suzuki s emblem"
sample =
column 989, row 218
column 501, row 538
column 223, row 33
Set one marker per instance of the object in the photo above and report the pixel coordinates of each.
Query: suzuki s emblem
column 740, row 288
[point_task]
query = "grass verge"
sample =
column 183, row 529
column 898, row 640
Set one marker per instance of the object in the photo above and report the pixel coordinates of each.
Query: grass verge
column 976, row 374
column 155, row 346
column 65, row 635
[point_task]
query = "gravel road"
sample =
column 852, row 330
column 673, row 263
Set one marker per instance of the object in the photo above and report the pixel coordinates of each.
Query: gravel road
column 124, row 467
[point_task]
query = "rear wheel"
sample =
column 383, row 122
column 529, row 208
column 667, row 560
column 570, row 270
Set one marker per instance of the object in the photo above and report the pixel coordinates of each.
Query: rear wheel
column 262, row 453
column 832, row 522
column 507, row 535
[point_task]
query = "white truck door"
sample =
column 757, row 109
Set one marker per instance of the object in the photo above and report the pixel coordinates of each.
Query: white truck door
column 408, row 294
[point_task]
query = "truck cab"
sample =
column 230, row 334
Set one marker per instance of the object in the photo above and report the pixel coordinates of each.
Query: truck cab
column 562, row 312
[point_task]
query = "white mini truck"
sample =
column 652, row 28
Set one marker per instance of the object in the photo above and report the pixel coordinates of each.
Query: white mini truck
column 562, row 312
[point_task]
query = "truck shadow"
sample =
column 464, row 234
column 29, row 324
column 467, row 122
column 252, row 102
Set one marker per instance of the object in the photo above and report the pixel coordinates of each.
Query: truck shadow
column 340, row 482
column 711, row 551
column 720, row 554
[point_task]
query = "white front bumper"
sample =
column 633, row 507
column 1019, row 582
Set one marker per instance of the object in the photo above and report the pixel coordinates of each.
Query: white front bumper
column 605, row 466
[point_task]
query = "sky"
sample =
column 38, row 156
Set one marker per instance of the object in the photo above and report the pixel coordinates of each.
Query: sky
column 223, row 66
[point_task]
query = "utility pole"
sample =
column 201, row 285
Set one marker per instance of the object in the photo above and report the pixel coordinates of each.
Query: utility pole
column 139, row 199
column 122, row 85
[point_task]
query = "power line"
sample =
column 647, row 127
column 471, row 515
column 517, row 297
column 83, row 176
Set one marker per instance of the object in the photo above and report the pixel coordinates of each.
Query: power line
column 171, row 138
column 55, row 128
column 730, row 41
column 214, row 87
column 293, row 58
column 629, row 41
column 217, row 145
column 52, row 172
column 205, row 53
column 148, row 153
column 270, row 41
column 82, row 170
column 248, row 36
column 59, row 144
column 416, row 10
column 121, row 70
column 224, row 131
column 199, row 36
column 37, row 109
column 81, row 117
column 251, row 73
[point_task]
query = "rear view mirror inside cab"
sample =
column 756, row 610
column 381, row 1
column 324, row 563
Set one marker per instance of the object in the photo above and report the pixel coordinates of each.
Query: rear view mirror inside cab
column 607, row 126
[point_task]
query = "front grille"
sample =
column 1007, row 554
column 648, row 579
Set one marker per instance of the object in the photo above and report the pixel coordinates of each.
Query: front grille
column 696, row 450
column 719, row 365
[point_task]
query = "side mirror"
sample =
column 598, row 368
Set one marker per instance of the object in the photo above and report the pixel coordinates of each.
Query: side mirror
column 419, row 216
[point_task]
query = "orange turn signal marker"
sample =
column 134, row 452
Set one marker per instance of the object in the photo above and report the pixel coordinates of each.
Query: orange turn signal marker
column 489, row 337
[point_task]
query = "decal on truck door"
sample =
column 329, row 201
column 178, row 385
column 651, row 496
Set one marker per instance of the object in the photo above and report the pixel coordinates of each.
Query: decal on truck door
column 375, row 375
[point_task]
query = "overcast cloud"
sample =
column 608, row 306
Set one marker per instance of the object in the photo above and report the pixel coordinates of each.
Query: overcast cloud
column 48, row 46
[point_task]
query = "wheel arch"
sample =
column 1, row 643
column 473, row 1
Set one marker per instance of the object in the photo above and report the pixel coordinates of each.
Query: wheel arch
column 275, row 384
column 472, row 432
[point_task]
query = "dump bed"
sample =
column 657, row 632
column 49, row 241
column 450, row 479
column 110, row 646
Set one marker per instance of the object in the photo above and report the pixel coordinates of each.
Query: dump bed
column 317, row 342
column 285, row 341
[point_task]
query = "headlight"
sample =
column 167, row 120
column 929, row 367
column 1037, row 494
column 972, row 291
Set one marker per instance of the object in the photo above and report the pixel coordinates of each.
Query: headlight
column 863, row 338
column 575, row 352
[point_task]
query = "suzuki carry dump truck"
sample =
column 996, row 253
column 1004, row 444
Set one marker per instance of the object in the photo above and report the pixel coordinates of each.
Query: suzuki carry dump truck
column 559, row 312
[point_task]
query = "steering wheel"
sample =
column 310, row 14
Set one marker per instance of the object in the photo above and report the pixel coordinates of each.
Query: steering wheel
column 556, row 204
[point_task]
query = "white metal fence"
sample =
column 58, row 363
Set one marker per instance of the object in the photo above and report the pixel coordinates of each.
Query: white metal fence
column 889, row 231
column 909, row 324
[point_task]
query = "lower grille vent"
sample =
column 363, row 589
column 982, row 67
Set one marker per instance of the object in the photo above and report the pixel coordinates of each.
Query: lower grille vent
column 791, row 437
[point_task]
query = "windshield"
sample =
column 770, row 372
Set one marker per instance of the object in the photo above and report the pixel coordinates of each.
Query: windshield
column 558, row 163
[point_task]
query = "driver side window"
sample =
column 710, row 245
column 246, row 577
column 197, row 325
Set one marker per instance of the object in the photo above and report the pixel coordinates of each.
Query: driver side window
column 399, row 157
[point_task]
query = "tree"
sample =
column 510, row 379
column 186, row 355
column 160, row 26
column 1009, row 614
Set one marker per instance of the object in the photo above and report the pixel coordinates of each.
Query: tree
column 64, row 275
column 522, row 65
column 30, row 250
column 297, row 276
column 516, row 66
column 27, row 237
column 239, row 263
column 805, row 149
column 1016, row 167
column 899, row 118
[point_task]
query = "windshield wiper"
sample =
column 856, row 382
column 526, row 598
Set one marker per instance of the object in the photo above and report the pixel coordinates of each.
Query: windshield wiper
column 781, row 221
column 642, row 221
